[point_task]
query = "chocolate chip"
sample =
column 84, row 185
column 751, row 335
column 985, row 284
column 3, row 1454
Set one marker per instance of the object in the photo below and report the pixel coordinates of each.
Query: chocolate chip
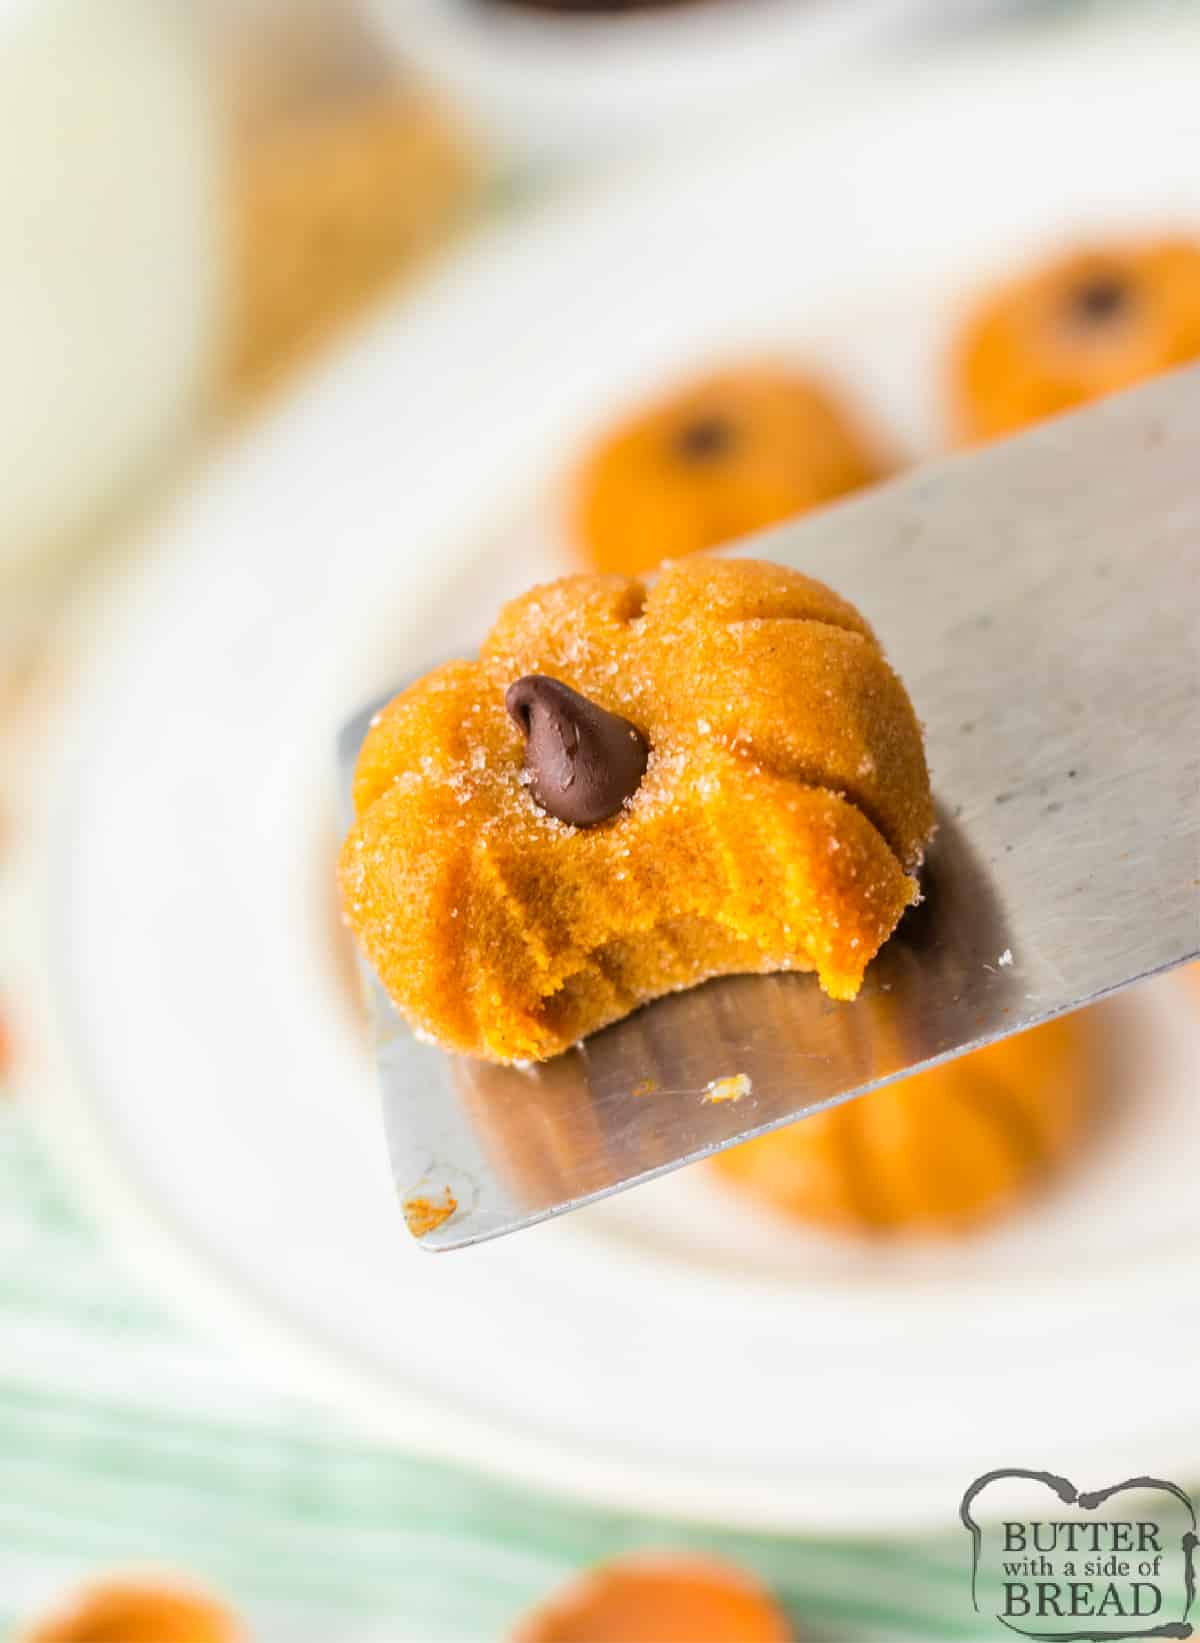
column 706, row 437
column 583, row 761
column 1100, row 299
column 593, row 5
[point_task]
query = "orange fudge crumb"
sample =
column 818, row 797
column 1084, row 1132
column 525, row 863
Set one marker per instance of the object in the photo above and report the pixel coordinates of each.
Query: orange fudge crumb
column 424, row 1215
column 732, row 1088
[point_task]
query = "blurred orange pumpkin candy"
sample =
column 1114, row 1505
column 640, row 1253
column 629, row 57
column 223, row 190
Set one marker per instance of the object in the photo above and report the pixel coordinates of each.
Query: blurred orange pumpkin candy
column 717, row 459
column 138, row 1613
column 664, row 1598
column 1074, row 329
column 934, row 1153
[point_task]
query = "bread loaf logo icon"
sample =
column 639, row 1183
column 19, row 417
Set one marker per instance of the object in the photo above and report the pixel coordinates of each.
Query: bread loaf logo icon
column 1089, row 1567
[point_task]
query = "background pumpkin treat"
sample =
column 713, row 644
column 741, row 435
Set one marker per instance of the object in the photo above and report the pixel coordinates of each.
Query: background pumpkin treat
column 719, row 458
column 343, row 176
column 1083, row 325
column 936, row 1153
column 138, row 1612
column 632, row 789
column 663, row 1598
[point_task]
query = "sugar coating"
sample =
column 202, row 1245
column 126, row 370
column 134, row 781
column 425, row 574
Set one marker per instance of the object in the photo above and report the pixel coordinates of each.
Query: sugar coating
column 784, row 835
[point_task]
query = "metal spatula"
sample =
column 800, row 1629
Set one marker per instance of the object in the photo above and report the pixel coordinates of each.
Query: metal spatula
column 1040, row 601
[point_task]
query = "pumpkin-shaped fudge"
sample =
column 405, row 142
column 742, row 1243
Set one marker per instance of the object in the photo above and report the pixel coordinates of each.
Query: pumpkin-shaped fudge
column 634, row 788
column 1081, row 327
column 138, row 1613
column 667, row 1597
column 723, row 456
column 934, row 1153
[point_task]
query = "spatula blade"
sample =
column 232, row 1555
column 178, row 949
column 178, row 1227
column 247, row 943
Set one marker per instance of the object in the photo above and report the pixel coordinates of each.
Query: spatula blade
column 1039, row 599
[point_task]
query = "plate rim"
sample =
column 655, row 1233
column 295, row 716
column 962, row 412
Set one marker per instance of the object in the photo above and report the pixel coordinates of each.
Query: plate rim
column 70, row 1120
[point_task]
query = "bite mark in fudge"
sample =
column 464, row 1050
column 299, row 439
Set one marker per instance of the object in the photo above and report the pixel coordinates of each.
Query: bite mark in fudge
column 759, row 802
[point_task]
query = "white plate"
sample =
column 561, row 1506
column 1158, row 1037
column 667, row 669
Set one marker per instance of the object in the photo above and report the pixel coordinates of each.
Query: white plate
column 660, row 1352
column 551, row 87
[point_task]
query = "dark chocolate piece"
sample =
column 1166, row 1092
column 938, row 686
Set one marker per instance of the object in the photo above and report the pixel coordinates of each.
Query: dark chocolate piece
column 573, row 6
column 706, row 437
column 583, row 761
column 1100, row 299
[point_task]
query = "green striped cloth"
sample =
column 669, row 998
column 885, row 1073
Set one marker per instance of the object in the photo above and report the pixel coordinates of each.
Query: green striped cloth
column 128, row 1441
